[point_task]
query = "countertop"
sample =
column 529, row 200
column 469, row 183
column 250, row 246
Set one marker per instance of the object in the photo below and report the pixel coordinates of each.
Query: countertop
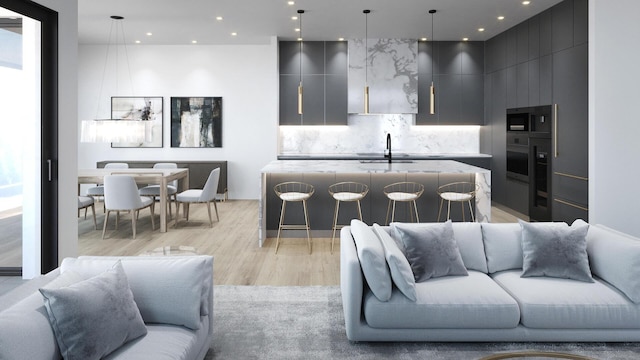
column 356, row 166
column 379, row 156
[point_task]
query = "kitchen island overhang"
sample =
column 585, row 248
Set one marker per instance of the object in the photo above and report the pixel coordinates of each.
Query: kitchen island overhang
column 322, row 173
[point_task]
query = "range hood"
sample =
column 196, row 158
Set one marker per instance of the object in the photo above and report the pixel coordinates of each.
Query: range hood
column 391, row 73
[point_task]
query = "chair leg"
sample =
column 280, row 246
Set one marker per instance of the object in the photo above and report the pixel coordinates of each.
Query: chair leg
column 104, row 227
column 415, row 207
column 186, row 211
column 93, row 212
column 152, row 208
column 386, row 219
column 175, row 225
column 306, row 221
column 216, row 208
column 209, row 211
column 471, row 210
column 134, row 217
column 448, row 209
column 284, row 204
column 85, row 212
column 117, row 219
column 393, row 211
column 440, row 211
column 335, row 223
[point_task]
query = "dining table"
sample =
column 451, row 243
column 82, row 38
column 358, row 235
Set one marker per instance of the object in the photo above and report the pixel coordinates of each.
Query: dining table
column 143, row 176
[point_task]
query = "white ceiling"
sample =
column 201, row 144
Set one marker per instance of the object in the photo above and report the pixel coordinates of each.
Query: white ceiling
column 255, row 21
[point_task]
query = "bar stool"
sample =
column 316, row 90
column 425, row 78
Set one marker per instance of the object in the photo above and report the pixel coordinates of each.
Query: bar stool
column 457, row 192
column 405, row 191
column 346, row 191
column 295, row 192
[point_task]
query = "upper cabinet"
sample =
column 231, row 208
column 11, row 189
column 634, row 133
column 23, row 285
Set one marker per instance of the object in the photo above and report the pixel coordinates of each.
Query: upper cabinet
column 324, row 82
column 457, row 71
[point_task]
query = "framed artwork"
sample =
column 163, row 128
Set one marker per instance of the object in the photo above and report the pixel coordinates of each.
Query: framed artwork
column 196, row 122
column 141, row 109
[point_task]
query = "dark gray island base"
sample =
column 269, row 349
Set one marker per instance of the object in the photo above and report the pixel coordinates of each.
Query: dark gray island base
column 322, row 173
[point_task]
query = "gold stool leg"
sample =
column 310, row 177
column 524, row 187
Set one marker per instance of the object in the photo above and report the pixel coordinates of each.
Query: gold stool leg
column 284, row 204
column 471, row 209
column 448, row 209
column 393, row 212
column 386, row 219
column 359, row 211
column 440, row 211
column 306, row 221
column 462, row 207
column 335, row 223
column 415, row 207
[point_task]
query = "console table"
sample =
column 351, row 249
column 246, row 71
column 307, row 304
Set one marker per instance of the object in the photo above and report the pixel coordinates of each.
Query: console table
column 198, row 171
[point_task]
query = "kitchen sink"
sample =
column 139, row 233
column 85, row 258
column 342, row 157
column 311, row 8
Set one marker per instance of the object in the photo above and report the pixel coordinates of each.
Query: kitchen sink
column 382, row 161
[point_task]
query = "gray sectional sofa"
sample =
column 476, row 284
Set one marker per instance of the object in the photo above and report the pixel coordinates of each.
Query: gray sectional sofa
column 493, row 302
column 174, row 296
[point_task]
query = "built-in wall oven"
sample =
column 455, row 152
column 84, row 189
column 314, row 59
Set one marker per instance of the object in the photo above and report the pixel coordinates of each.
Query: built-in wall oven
column 528, row 161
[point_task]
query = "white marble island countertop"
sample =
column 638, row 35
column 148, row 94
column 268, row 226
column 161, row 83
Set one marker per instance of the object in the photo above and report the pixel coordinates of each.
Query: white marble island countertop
column 367, row 166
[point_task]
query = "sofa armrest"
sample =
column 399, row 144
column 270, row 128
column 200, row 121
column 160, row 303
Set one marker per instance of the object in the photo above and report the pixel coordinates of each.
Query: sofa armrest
column 351, row 283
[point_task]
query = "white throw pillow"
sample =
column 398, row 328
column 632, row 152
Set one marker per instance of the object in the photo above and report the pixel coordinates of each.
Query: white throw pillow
column 401, row 273
column 372, row 260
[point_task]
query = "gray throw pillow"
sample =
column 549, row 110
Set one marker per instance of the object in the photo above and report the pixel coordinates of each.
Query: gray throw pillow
column 555, row 250
column 431, row 250
column 94, row 317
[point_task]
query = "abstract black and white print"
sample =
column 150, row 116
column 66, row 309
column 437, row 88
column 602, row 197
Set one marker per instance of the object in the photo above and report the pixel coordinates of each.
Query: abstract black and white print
column 140, row 109
column 196, row 122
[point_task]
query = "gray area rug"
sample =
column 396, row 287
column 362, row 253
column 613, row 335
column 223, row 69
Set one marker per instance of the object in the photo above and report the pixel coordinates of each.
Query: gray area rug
column 272, row 322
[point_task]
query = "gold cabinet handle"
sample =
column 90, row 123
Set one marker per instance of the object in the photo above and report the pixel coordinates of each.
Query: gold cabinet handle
column 555, row 130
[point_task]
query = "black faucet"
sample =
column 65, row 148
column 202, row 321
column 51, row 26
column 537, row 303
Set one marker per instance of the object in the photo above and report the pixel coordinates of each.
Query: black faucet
column 387, row 152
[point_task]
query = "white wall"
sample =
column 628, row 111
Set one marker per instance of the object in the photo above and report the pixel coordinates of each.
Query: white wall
column 246, row 76
column 614, row 124
column 67, row 115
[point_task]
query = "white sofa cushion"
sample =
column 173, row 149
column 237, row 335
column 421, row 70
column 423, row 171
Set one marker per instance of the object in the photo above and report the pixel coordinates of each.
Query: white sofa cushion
column 168, row 290
column 94, row 317
column 555, row 250
column 25, row 331
column 502, row 246
column 466, row 302
column 607, row 250
column 401, row 273
column 431, row 250
column 553, row 303
column 372, row 259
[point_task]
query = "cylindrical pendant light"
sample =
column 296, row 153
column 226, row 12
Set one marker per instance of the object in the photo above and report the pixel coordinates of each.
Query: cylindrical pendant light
column 366, row 67
column 300, row 12
column 432, row 88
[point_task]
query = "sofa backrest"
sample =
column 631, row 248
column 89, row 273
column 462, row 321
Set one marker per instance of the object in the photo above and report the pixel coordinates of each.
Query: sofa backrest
column 168, row 290
column 502, row 246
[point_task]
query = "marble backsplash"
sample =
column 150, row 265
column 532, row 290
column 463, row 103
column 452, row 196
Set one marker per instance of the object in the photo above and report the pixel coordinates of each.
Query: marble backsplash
column 367, row 134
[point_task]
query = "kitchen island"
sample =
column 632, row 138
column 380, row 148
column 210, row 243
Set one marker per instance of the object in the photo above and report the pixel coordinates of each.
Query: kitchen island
column 375, row 174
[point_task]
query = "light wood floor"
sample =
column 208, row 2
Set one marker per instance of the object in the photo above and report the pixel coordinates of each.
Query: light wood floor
column 234, row 244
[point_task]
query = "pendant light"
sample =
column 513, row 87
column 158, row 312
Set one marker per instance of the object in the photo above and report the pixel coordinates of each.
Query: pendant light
column 115, row 130
column 300, row 12
column 432, row 89
column 366, row 67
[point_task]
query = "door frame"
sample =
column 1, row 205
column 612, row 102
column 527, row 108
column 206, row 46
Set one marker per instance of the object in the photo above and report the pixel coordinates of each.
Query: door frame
column 49, row 130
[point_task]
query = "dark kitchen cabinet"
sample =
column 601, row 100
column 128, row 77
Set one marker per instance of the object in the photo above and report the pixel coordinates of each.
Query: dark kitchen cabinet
column 562, row 26
column 522, row 85
column 324, row 75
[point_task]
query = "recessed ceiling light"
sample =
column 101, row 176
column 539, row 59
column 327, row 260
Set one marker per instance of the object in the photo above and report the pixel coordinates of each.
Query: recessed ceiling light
column 500, row 17
column 291, row 2
column 297, row 29
column 234, row 33
column 481, row 29
column 138, row 41
column 294, row 18
column 219, row 18
column 149, row 34
column 423, row 39
column 340, row 39
column 194, row 41
column 299, row 39
column 465, row 39
column 526, row 2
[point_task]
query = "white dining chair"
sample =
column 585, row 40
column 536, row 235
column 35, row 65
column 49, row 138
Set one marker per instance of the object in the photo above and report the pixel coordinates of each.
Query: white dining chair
column 121, row 194
column 85, row 202
column 154, row 190
column 97, row 191
column 206, row 195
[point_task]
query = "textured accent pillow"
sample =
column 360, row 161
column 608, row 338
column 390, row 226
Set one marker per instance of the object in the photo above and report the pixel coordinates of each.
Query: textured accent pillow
column 94, row 317
column 401, row 273
column 431, row 250
column 372, row 260
column 555, row 250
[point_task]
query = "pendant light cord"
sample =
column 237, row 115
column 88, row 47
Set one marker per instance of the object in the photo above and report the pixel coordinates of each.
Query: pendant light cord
column 432, row 46
column 366, row 47
column 300, row 12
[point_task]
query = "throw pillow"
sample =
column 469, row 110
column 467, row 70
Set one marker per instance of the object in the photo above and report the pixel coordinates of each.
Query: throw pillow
column 502, row 246
column 555, row 250
column 431, row 250
column 372, row 260
column 401, row 273
column 94, row 317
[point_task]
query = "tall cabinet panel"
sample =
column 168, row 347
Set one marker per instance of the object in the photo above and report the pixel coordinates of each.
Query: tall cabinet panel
column 324, row 80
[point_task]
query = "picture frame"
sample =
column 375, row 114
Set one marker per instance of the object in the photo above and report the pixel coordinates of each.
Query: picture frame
column 140, row 108
column 196, row 122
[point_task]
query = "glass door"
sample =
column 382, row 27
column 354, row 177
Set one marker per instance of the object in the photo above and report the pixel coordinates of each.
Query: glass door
column 27, row 186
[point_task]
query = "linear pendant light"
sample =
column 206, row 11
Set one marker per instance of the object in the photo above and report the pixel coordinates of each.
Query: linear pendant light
column 432, row 89
column 366, row 67
column 300, row 12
